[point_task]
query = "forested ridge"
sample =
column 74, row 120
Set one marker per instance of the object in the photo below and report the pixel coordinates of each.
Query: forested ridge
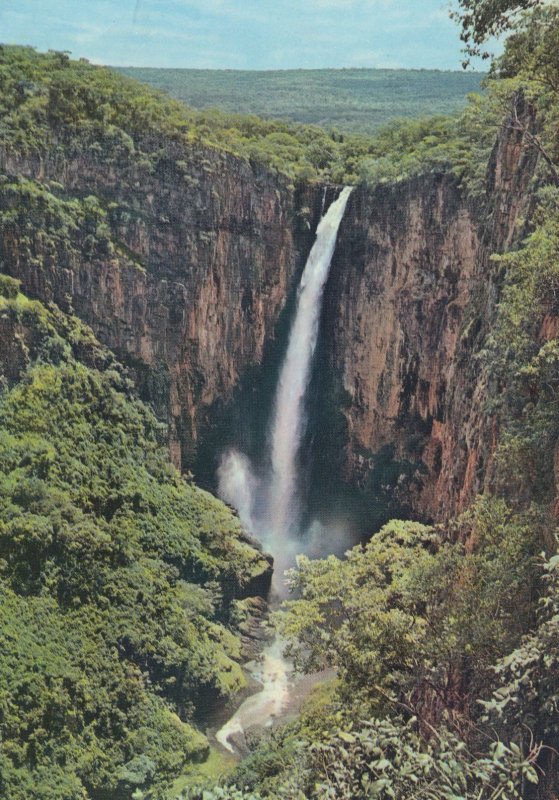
column 53, row 105
column 347, row 100
column 122, row 583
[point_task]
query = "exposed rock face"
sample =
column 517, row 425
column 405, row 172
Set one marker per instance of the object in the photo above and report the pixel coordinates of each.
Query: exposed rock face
column 208, row 249
column 411, row 298
column 16, row 342
column 205, row 255
column 402, row 279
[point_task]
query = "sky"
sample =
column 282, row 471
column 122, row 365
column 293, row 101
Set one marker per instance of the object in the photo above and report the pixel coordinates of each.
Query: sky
column 239, row 34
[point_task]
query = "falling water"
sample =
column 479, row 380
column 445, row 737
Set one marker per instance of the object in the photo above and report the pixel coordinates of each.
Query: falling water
column 289, row 416
column 238, row 486
column 277, row 524
column 276, row 519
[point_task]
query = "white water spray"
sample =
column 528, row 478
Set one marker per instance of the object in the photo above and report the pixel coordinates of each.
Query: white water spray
column 238, row 486
column 289, row 417
column 276, row 519
column 277, row 524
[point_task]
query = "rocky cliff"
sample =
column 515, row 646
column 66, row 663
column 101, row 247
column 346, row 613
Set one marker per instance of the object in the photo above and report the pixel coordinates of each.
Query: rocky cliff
column 411, row 297
column 202, row 252
column 200, row 256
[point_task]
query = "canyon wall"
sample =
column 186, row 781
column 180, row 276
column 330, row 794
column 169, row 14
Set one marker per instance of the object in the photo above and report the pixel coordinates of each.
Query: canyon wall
column 411, row 297
column 206, row 249
column 202, row 253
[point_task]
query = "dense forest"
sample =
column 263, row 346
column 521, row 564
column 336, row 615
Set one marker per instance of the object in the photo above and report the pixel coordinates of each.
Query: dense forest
column 120, row 580
column 125, row 588
column 347, row 100
column 47, row 98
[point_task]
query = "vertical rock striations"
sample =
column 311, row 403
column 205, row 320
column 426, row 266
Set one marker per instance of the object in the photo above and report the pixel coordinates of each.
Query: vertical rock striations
column 202, row 255
column 412, row 296
column 202, row 252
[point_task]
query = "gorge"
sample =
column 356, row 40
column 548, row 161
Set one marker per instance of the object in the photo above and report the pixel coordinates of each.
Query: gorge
column 193, row 305
column 277, row 523
column 196, row 295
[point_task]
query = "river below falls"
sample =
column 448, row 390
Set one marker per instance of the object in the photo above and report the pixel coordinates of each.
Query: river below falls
column 281, row 694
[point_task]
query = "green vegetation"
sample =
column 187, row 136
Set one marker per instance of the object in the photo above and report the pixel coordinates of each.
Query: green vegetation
column 482, row 19
column 446, row 639
column 347, row 100
column 117, row 580
column 53, row 229
column 55, row 107
column 407, row 594
column 529, row 362
column 51, row 105
column 413, row 622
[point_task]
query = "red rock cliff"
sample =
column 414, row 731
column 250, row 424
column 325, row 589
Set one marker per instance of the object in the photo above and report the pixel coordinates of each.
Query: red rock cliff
column 205, row 249
column 412, row 297
column 204, row 255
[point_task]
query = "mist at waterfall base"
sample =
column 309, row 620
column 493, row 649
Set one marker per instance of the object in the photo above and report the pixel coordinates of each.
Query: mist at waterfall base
column 270, row 505
column 248, row 494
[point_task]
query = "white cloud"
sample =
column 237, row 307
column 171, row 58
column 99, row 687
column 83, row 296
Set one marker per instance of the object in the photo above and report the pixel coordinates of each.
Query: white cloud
column 256, row 34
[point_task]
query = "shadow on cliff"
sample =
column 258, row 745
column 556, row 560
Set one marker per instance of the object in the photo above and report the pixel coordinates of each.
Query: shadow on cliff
column 338, row 507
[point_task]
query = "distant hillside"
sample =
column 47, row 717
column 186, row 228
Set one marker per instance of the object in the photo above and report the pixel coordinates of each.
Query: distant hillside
column 359, row 100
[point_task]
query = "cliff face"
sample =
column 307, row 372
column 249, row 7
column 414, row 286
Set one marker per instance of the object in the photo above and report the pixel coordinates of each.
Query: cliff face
column 411, row 298
column 205, row 249
column 203, row 252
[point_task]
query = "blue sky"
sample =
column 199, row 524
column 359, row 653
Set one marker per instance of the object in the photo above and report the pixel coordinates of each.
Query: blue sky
column 239, row 34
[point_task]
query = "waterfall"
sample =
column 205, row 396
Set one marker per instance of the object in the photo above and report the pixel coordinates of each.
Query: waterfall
column 276, row 521
column 289, row 414
column 277, row 524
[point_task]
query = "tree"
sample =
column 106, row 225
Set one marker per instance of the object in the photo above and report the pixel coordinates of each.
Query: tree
column 411, row 616
column 482, row 19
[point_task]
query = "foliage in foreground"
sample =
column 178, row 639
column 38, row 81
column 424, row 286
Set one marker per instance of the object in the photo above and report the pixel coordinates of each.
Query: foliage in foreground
column 482, row 19
column 413, row 613
column 446, row 642
column 116, row 579
column 402, row 720
column 387, row 759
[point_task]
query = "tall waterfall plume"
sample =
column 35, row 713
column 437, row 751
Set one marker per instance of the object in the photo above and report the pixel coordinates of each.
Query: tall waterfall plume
column 277, row 524
column 289, row 413
column 276, row 521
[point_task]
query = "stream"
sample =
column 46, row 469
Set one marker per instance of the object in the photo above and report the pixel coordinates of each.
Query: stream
column 270, row 506
column 275, row 674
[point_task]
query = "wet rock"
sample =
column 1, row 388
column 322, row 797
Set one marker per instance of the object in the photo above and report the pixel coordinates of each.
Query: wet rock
column 254, row 629
column 237, row 740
